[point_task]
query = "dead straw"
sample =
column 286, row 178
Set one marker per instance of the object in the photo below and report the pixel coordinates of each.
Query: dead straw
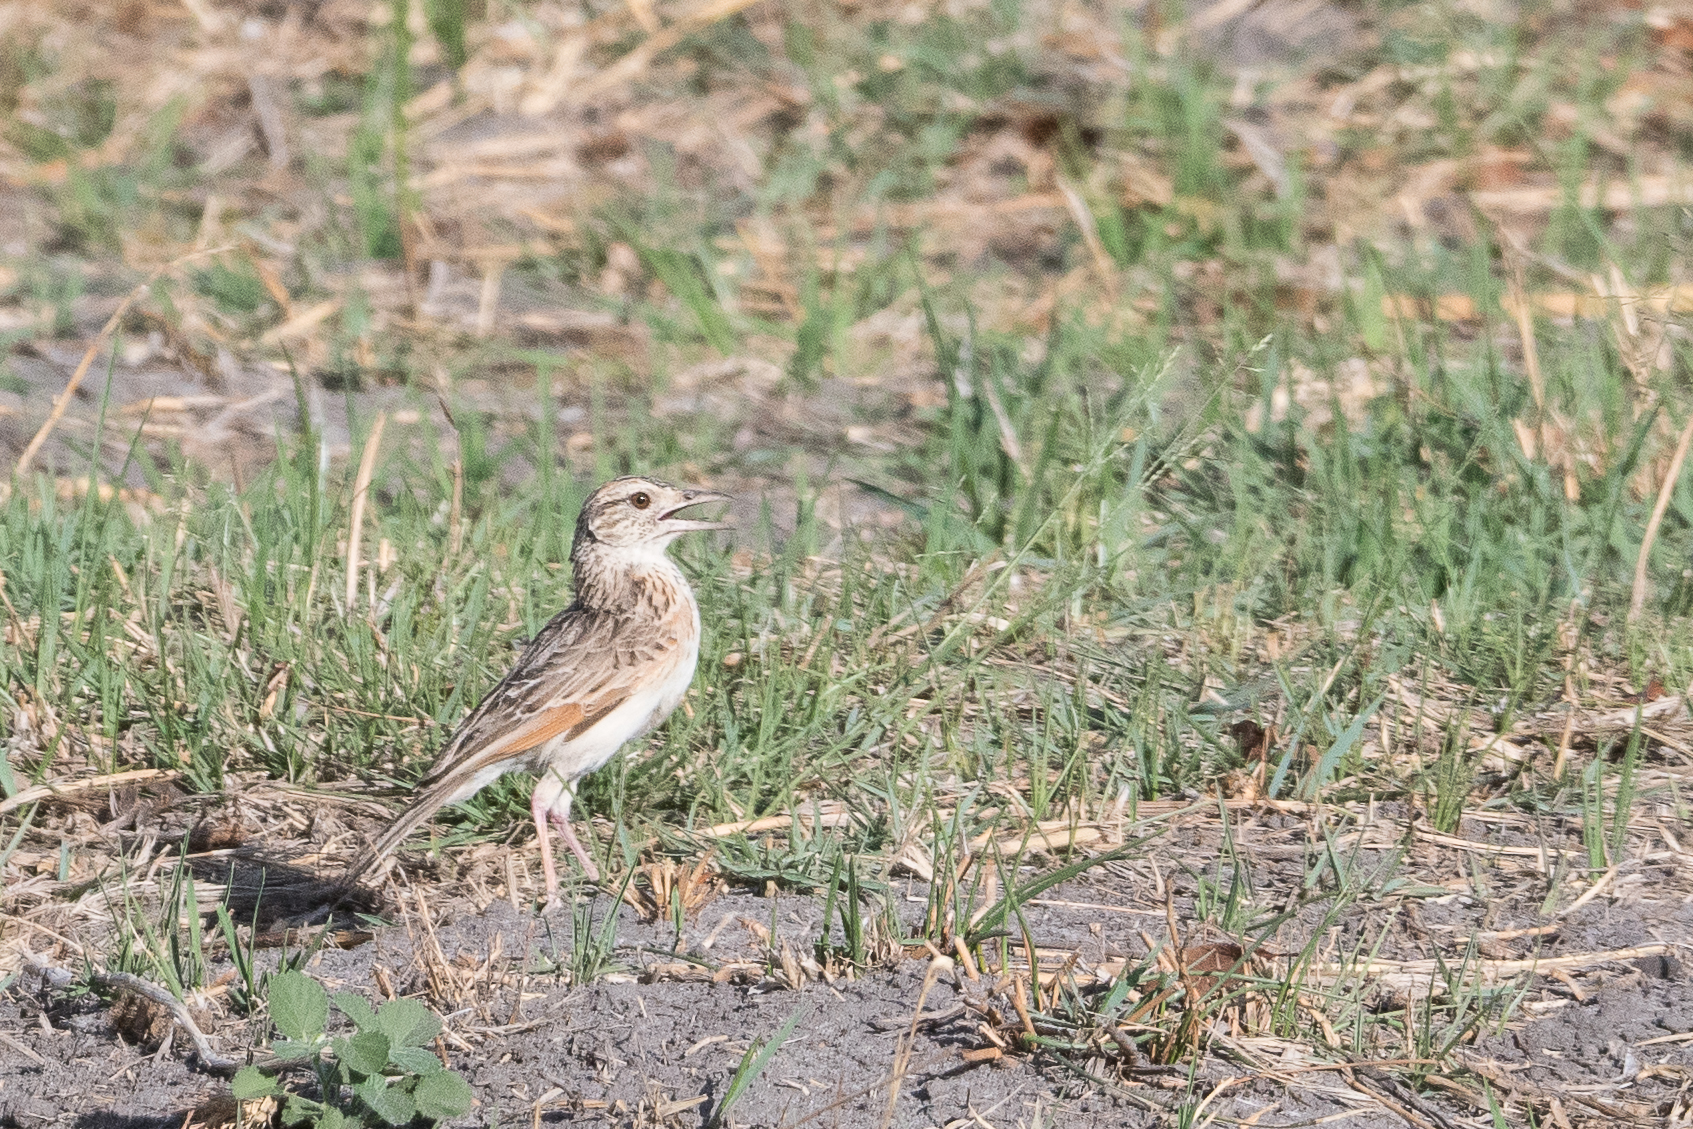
column 902, row 1053
column 361, row 489
column 1523, row 312
column 86, row 784
column 633, row 64
column 64, row 399
column 1637, row 595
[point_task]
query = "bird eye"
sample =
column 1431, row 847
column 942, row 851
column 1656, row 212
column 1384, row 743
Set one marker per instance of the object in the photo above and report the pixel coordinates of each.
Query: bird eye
column 640, row 500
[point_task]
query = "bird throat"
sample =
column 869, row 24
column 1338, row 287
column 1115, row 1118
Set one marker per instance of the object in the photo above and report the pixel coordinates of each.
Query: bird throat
column 642, row 581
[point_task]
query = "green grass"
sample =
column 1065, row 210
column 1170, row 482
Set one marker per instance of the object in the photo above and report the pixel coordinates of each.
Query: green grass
column 874, row 681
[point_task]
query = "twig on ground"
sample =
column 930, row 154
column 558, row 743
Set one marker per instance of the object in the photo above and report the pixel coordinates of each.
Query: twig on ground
column 22, row 1049
column 1591, row 892
column 1396, row 1098
column 848, row 1099
column 44, row 931
column 59, row 978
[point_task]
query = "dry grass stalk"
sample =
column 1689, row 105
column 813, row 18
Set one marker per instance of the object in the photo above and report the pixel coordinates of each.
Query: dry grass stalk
column 1562, row 757
column 644, row 14
column 938, row 965
column 1643, row 192
column 64, row 398
column 1053, row 837
column 964, row 958
column 1637, row 594
column 361, row 489
column 828, row 815
column 1420, row 973
column 64, row 788
column 1083, row 215
column 1020, row 1001
column 511, row 882
column 1520, row 310
column 455, row 514
column 443, row 984
column 301, row 324
column 1008, row 440
column 267, row 109
column 1591, row 892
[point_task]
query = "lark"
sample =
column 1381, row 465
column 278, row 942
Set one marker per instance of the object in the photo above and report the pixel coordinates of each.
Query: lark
column 603, row 672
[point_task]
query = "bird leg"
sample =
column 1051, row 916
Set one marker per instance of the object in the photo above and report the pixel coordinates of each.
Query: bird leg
column 551, row 803
column 538, row 805
column 561, row 820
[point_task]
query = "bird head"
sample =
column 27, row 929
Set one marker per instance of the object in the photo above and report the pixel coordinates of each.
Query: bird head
column 640, row 515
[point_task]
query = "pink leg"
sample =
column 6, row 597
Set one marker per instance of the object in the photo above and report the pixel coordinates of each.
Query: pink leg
column 561, row 820
column 538, row 811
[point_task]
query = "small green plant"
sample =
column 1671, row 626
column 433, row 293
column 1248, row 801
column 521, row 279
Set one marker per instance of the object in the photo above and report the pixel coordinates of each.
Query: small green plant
column 1452, row 778
column 593, row 944
column 1623, row 809
column 447, row 19
column 246, row 991
column 383, row 1074
column 843, row 897
column 1593, row 812
column 247, row 994
column 170, row 948
column 758, row 1055
column 1223, row 900
column 1455, row 1007
column 235, row 289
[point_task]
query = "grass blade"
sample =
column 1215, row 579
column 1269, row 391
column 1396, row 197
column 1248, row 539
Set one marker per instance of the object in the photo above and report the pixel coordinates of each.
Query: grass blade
column 758, row 1056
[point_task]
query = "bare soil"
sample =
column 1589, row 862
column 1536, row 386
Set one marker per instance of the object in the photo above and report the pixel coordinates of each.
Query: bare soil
column 1607, row 1035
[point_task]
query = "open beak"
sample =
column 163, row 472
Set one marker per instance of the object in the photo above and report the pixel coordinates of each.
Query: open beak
column 692, row 498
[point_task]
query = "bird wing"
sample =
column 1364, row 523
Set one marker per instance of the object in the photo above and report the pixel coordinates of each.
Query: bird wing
column 580, row 667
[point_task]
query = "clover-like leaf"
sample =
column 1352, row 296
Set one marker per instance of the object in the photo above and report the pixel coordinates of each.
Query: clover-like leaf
column 407, row 1023
column 288, row 1050
column 332, row 1118
column 364, row 1053
column 357, row 1009
column 390, row 1103
column 298, row 1111
column 442, row 1095
column 298, row 1005
column 250, row 1082
column 415, row 1060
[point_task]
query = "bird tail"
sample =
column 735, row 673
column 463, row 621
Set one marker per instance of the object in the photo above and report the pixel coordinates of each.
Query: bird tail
column 430, row 801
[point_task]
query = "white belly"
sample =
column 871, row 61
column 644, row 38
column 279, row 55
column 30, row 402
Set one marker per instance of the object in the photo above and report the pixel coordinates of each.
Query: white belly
column 575, row 757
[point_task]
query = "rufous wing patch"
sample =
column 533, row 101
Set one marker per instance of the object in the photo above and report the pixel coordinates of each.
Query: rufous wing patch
column 571, row 720
column 538, row 729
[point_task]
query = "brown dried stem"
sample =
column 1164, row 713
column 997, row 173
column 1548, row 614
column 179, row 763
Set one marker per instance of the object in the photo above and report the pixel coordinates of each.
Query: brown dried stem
column 1637, row 595
column 361, row 490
